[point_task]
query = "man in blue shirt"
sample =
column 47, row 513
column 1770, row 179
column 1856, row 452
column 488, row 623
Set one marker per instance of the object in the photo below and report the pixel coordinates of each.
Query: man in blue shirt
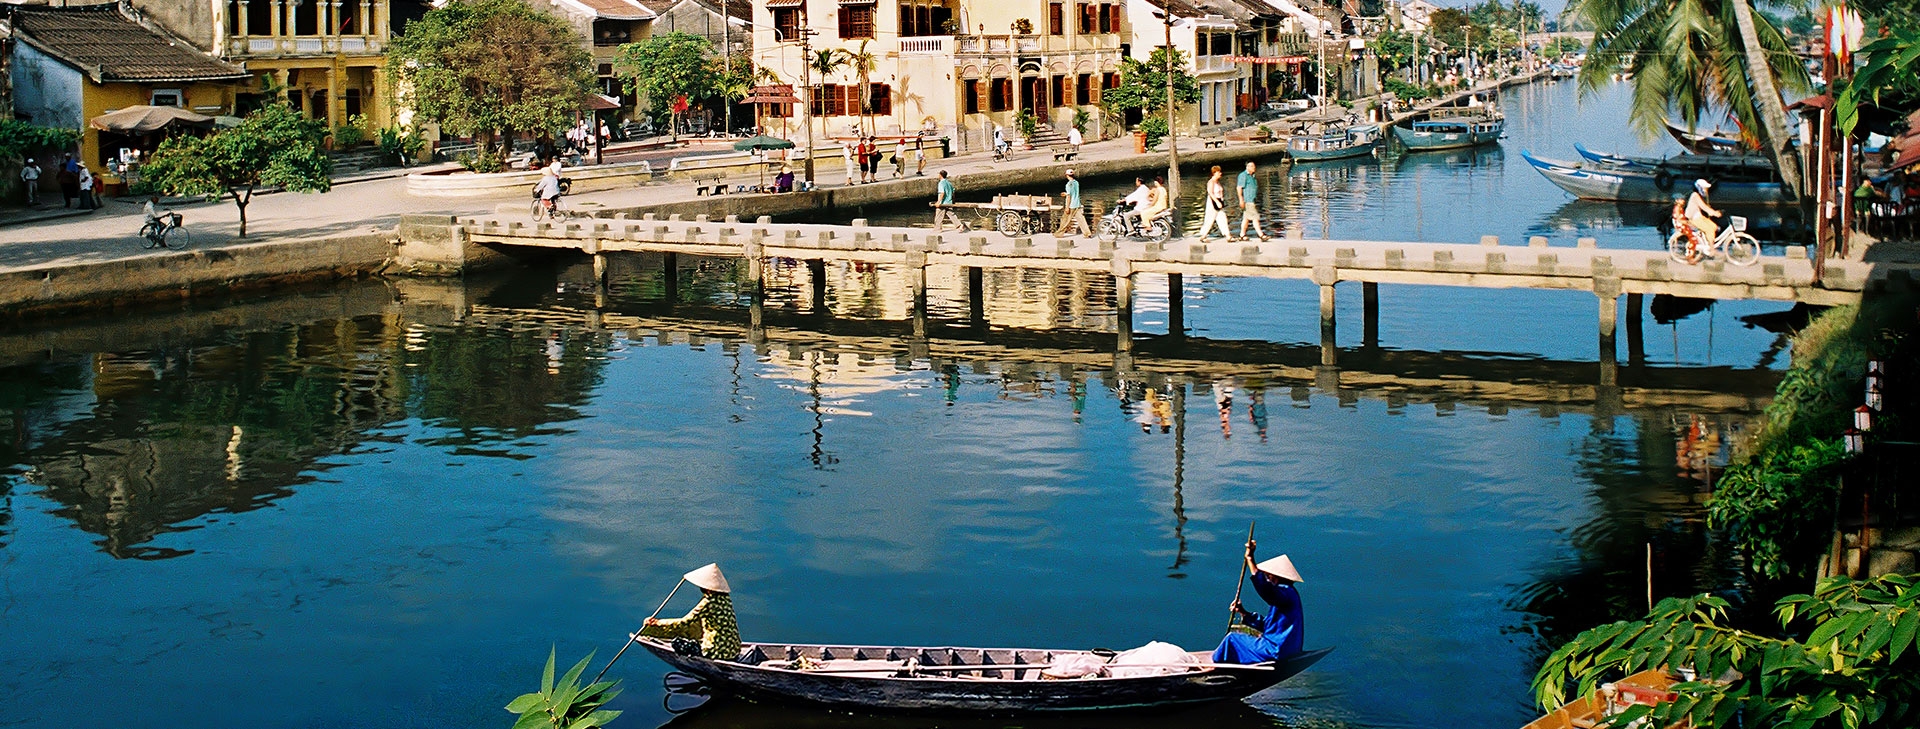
column 1280, row 631
column 943, row 205
column 1073, row 216
column 1250, row 202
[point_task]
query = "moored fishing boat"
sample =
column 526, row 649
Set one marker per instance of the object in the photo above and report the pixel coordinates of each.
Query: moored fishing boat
column 1715, row 142
column 974, row 680
column 1623, row 184
column 1339, row 142
column 1450, row 132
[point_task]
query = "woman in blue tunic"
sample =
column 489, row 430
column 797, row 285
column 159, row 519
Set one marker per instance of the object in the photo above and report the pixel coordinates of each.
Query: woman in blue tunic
column 1276, row 634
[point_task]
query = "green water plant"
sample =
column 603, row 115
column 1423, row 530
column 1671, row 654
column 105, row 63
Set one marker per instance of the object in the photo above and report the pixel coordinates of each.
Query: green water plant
column 565, row 704
column 1845, row 656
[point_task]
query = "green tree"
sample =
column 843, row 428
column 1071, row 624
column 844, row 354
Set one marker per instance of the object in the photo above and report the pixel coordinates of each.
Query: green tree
column 491, row 69
column 19, row 139
column 1889, row 74
column 1845, row 657
column 667, row 67
column 273, row 146
column 863, row 64
column 1143, row 85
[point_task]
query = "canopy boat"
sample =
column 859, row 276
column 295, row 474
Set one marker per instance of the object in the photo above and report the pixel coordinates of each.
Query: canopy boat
column 1338, row 142
column 1731, row 185
column 971, row 680
column 1715, row 142
column 1646, row 688
column 1451, row 132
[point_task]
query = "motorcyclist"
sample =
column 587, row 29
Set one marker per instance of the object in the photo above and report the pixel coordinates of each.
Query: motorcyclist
column 1137, row 202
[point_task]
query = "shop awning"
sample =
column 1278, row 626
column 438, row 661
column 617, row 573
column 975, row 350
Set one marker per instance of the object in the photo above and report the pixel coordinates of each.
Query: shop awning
column 144, row 119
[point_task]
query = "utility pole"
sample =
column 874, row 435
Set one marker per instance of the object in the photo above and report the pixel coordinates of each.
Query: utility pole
column 726, row 61
column 1173, row 135
column 806, row 99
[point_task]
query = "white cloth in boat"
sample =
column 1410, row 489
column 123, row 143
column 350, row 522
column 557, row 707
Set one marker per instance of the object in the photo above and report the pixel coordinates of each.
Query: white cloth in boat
column 1153, row 659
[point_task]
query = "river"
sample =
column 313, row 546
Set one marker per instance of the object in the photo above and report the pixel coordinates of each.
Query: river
column 379, row 504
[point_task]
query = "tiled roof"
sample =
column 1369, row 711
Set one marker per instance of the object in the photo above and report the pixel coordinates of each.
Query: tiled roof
column 108, row 46
column 609, row 9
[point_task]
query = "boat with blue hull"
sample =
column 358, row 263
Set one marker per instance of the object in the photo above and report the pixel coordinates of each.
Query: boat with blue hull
column 1626, row 184
column 1336, row 143
column 1450, row 132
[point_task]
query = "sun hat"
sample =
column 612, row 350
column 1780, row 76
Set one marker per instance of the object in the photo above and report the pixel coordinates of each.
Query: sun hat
column 709, row 578
column 1702, row 184
column 1280, row 567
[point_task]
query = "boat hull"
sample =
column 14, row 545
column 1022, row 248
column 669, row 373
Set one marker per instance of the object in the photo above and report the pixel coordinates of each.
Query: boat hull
column 1420, row 141
column 1322, row 155
column 1002, row 691
column 1626, row 185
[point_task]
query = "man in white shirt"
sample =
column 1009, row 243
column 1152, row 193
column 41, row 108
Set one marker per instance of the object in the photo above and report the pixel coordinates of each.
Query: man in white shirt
column 1074, row 138
column 1138, row 200
column 30, row 177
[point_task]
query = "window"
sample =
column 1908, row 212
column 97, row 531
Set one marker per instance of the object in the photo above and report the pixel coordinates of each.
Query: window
column 1087, row 20
column 1104, row 17
column 856, row 21
column 1113, row 17
column 168, row 97
column 1060, row 91
column 778, row 111
column 1222, row 45
column 879, row 99
column 832, row 100
column 972, row 96
column 1112, row 81
column 787, row 23
column 1083, row 93
column 1001, row 96
column 1056, row 19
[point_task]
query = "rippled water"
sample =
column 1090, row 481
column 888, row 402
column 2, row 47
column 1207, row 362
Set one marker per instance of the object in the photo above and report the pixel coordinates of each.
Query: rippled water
column 380, row 504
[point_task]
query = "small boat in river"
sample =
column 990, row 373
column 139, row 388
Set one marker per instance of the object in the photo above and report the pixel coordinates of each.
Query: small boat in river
column 1450, row 132
column 1646, row 688
column 1732, row 184
column 972, row 680
column 1714, row 142
column 1338, row 142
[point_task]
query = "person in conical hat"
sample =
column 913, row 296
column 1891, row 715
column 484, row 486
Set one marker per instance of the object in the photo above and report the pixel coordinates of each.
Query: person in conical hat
column 710, row 621
column 1280, row 631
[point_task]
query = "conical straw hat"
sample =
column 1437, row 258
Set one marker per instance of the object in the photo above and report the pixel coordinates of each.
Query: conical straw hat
column 709, row 578
column 1280, row 567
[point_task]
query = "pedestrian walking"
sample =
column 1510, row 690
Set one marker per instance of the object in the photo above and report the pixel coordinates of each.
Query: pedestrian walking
column 943, row 205
column 873, row 160
column 919, row 158
column 1074, row 139
column 899, row 158
column 68, row 177
column 1074, row 216
column 1249, row 187
column 1215, row 207
column 848, row 150
column 86, row 188
column 30, row 180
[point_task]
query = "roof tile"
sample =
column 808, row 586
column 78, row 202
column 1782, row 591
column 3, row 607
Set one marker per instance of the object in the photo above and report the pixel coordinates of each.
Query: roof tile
column 109, row 46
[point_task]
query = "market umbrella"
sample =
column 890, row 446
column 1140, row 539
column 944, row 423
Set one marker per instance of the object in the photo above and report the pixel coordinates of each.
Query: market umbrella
column 759, row 143
column 144, row 119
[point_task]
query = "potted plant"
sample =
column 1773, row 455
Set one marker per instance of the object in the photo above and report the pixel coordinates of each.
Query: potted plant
column 1027, row 123
column 1023, row 26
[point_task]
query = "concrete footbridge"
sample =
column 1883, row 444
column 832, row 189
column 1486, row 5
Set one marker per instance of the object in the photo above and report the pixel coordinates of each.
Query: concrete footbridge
column 444, row 244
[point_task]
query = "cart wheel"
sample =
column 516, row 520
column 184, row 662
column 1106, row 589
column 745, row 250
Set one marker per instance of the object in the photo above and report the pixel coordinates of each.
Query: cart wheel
column 1011, row 224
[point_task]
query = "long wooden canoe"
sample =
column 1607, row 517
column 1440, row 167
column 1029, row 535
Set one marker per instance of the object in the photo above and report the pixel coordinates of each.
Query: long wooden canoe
column 964, row 680
column 1646, row 688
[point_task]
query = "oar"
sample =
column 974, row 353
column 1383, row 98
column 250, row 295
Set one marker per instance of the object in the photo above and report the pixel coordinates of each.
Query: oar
column 636, row 634
column 1234, row 615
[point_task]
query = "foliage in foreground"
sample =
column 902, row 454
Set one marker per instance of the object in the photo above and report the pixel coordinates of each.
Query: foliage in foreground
column 1889, row 72
column 1848, row 660
column 1143, row 85
column 273, row 146
column 487, row 67
column 565, row 704
column 19, row 139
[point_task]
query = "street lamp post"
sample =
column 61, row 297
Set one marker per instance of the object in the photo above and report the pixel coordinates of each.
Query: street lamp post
column 1173, row 136
column 806, row 99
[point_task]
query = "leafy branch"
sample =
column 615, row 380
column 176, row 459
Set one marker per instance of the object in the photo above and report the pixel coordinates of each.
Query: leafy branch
column 565, row 704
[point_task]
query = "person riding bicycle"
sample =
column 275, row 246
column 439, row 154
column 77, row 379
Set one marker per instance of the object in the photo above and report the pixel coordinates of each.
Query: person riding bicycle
column 1697, row 215
column 155, row 214
column 548, row 188
column 1000, row 144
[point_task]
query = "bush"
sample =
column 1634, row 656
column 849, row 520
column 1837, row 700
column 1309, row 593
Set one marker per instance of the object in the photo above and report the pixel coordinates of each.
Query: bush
column 1027, row 123
column 1155, row 127
column 1406, row 91
column 483, row 161
column 401, row 145
column 352, row 133
column 19, row 140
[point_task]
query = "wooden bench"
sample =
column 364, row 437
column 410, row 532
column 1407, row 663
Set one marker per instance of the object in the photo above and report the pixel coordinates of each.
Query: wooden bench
column 1215, row 143
column 708, row 185
column 1065, row 155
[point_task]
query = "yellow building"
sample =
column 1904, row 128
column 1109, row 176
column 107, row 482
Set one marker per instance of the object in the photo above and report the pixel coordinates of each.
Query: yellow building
column 72, row 64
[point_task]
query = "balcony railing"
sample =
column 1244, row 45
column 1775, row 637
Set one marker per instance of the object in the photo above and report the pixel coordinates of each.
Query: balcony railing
column 1212, row 64
column 926, row 45
column 303, row 45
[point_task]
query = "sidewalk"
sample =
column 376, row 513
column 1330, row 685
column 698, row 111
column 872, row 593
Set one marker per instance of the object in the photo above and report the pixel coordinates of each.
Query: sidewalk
column 22, row 216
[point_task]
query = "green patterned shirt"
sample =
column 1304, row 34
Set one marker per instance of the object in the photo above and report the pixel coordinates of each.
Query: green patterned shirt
column 711, row 620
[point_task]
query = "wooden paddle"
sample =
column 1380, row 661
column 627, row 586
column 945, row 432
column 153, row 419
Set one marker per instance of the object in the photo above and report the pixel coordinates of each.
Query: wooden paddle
column 1234, row 617
column 636, row 634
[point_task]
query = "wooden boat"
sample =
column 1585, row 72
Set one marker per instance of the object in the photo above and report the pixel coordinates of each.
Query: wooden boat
column 1338, row 142
column 1715, row 142
column 1717, row 166
column 964, row 680
column 1645, row 688
column 1606, row 182
column 1450, row 132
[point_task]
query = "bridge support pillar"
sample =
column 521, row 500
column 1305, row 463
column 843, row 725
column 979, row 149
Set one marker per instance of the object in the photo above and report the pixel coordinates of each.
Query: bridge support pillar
column 976, row 296
column 670, row 276
column 1123, row 307
column 917, row 279
column 817, row 273
column 1328, row 350
column 1176, row 305
column 1370, row 316
column 1636, row 339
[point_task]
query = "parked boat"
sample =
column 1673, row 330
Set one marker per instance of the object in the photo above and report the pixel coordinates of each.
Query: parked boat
column 1646, row 688
column 969, row 680
column 1714, row 166
column 1624, row 184
column 1450, row 132
column 1715, row 142
column 1339, row 142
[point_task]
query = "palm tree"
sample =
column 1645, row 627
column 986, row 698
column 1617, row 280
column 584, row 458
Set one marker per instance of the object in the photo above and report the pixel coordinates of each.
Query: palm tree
column 826, row 62
column 1688, row 56
column 863, row 64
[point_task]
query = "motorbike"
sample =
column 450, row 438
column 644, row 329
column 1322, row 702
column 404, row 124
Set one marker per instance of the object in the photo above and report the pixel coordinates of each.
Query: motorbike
column 1117, row 224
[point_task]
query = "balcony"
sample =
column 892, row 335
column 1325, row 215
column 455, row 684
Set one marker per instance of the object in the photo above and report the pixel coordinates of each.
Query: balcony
column 1212, row 64
column 284, row 46
column 927, row 45
column 998, row 45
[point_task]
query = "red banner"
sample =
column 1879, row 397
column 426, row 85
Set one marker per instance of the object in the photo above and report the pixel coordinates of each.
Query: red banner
column 1269, row 60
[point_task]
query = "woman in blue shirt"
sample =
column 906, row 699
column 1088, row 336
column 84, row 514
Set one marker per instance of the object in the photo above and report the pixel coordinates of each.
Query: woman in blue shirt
column 1280, row 631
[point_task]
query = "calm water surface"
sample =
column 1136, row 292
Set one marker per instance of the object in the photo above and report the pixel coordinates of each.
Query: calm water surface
column 379, row 505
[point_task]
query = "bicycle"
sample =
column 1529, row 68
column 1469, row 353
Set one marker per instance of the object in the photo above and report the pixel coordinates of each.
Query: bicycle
column 1733, row 242
column 551, row 209
column 166, row 232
